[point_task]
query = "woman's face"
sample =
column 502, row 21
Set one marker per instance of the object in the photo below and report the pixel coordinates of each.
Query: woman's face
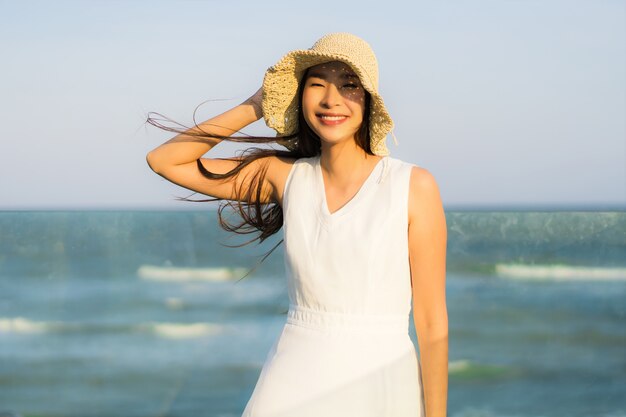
column 333, row 101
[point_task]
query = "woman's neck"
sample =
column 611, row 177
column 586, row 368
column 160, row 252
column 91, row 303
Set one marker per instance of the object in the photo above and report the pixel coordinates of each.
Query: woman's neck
column 346, row 163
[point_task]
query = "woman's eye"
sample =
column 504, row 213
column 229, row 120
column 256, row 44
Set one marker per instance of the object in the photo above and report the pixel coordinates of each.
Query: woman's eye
column 351, row 85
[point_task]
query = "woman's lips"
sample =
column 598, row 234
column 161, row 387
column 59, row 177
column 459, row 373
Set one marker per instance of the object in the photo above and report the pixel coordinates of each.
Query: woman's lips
column 331, row 119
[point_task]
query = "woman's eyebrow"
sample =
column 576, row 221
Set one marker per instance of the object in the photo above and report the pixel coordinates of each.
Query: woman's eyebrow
column 322, row 76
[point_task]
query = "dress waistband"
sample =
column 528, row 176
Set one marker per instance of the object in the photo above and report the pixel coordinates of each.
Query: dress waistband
column 368, row 323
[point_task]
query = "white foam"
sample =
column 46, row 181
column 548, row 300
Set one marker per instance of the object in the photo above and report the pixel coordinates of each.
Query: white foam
column 174, row 303
column 185, row 274
column 181, row 330
column 459, row 365
column 21, row 325
column 559, row 272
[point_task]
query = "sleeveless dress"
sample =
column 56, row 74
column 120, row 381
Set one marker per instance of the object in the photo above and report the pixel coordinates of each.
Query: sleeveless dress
column 345, row 349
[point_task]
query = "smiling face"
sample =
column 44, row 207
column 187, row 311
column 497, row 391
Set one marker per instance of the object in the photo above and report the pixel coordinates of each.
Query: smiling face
column 333, row 101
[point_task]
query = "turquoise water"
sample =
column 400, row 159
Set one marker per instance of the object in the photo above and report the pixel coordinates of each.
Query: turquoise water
column 130, row 313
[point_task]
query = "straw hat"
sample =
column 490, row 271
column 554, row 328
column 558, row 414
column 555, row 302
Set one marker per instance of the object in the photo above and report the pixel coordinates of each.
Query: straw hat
column 280, row 85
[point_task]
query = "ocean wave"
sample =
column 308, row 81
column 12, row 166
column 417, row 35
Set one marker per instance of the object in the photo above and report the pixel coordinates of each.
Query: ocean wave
column 184, row 274
column 482, row 412
column 181, row 331
column 20, row 325
column 174, row 303
column 560, row 272
column 458, row 366
column 469, row 370
column 24, row 326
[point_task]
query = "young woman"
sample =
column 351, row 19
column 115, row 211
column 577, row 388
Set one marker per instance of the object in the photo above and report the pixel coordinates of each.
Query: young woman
column 364, row 235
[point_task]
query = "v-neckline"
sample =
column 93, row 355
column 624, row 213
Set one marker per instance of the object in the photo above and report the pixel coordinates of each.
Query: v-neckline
column 325, row 211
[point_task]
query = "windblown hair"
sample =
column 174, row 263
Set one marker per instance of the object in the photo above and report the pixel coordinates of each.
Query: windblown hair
column 255, row 217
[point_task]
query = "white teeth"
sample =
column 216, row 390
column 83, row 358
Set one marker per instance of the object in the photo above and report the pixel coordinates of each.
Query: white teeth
column 333, row 117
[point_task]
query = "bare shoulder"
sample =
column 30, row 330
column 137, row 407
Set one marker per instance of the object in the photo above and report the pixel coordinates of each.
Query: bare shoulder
column 424, row 197
column 278, row 168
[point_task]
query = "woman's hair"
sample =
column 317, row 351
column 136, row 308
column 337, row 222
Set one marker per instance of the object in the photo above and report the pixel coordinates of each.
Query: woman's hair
column 264, row 218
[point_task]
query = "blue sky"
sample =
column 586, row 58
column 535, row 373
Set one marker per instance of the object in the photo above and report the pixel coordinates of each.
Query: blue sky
column 507, row 102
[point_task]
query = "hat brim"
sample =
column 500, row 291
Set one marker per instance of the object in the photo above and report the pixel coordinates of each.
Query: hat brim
column 280, row 96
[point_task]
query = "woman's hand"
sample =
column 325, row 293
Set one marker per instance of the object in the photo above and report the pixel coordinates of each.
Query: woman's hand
column 255, row 101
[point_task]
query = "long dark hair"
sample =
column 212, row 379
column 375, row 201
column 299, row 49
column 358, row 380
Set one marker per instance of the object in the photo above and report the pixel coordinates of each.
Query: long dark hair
column 255, row 217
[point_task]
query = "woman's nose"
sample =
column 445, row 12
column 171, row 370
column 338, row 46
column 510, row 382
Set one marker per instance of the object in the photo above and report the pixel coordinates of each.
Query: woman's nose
column 332, row 96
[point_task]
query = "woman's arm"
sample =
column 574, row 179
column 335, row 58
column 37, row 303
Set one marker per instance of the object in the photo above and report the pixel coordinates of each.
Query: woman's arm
column 175, row 160
column 427, row 255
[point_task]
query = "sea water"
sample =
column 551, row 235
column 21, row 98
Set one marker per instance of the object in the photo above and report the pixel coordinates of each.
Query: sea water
column 144, row 313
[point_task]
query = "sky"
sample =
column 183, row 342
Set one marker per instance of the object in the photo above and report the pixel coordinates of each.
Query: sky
column 508, row 103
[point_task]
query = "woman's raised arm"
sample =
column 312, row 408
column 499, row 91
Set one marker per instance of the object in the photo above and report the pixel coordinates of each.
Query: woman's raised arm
column 176, row 159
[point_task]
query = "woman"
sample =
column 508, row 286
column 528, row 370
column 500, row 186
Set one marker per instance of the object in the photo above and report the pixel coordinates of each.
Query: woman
column 364, row 235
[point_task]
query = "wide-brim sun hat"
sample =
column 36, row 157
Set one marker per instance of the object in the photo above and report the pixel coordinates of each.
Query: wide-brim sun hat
column 280, row 86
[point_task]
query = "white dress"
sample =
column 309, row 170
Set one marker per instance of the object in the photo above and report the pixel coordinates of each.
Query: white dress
column 345, row 349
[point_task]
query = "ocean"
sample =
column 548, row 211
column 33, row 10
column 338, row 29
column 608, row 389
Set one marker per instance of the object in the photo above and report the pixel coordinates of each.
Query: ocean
column 146, row 314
